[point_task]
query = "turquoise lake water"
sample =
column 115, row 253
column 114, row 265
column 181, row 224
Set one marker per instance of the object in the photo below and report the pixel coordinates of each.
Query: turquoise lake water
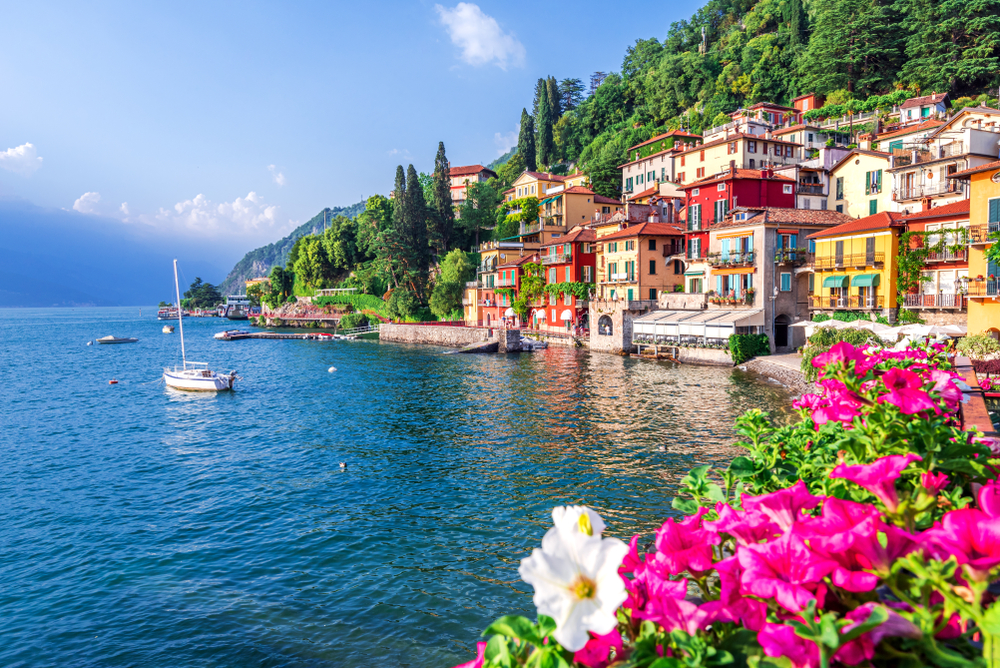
column 140, row 526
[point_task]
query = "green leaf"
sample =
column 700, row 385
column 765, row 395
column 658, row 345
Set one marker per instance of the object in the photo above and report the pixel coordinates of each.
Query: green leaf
column 721, row 658
column 666, row 662
column 686, row 506
column 991, row 621
column 514, row 626
column 715, row 493
column 828, row 632
column 497, row 652
column 546, row 625
column 742, row 467
column 877, row 617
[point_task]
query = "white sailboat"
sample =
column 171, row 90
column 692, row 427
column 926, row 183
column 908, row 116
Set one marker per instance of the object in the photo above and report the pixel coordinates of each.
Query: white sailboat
column 194, row 376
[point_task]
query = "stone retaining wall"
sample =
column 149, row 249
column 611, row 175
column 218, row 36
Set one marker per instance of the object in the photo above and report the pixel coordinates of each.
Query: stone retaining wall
column 941, row 318
column 794, row 381
column 436, row 335
column 704, row 357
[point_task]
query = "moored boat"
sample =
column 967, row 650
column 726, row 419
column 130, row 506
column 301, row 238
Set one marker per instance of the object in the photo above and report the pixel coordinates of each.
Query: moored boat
column 116, row 339
column 168, row 329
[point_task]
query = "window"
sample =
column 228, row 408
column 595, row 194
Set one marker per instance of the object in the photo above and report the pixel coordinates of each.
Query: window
column 840, row 190
column 652, row 293
column 638, row 179
column 812, row 245
column 652, row 267
column 925, row 112
column 680, row 177
column 552, row 300
column 810, row 138
column 872, row 207
column 567, row 298
column 822, row 204
column 721, row 209
column 751, row 147
column 695, row 192
column 700, row 173
column 787, row 189
column 873, row 182
column 786, row 282
column 694, row 218
column 731, row 148
column 663, row 173
column 652, row 244
column 721, row 187
column 812, row 283
column 532, row 190
column 552, row 276
column 588, row 274
column 751, row 163
column 840, row 208
column 788, row 152
column 682, row 160
column 630, row 245
column 703, row 156
column 792, row 138
column 568, row 273
column 628, row 185
column 993, row 211
column 651, row 176
column 806, row 204
column 678, row 267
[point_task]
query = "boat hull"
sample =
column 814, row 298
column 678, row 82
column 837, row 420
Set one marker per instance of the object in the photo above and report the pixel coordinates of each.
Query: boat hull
column 196, row 381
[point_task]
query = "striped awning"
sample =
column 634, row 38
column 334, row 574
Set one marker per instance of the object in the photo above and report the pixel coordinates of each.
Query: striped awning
column 835, row 282
column 865, row 280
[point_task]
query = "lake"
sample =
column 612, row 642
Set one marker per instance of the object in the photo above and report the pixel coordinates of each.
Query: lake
column 140, row 526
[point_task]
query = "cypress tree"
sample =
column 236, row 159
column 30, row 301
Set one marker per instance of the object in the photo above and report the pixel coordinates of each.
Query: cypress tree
column 415, row 216
column 526, row 141
column 539, row 87
column 544, row 125
column 441, row 225
column 555, row 101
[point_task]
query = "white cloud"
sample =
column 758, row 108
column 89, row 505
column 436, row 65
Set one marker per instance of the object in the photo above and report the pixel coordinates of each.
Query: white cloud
column 244, row 215
column 480, row 37
column 87, row 202
column 505, row 142
column 22, row 159
column 124, row 208
column 278, row 177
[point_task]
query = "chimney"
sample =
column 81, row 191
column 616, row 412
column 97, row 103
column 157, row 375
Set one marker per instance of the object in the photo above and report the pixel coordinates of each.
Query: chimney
column 732, row 168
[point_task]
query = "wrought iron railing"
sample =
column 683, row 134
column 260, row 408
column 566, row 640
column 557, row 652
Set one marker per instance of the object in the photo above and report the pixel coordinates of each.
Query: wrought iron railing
column 791, row 256
column 849, row 260
column 558, row 258
column 939, row 300
column 925, row 190
column 731, row 260
column 979, row 233
column 948, row 255
column 983, row 288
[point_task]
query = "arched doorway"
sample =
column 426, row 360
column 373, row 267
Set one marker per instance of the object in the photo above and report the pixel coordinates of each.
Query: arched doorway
column 781, row 324
column 604, row 326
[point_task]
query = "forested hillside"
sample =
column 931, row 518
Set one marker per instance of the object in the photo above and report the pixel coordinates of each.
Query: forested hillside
column 734, row 53
column 258, row 262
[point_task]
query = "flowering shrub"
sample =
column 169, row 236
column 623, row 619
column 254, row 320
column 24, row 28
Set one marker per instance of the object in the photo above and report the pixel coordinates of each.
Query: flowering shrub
column 866, row 534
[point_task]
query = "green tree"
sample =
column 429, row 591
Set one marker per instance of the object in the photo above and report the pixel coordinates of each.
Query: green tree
column 526, row 141
column 555, row 98
column 341, row 244
column 508, row 172
column 201, row 295
column 403, row 303
column 540, row 87
column 377, row 234
column 443, row 221
column 544, row 126
column 570, row 94
column 312, row 266
column 416, row 248
column 478, row 212
column 449, row 289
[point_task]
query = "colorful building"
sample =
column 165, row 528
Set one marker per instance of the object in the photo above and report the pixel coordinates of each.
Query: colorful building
column 984, row 219
column 461, row 177
column 508, row 283
column 746, row 151
column 652, row 161
column 860, row 184
column 638, row 262
column 945, row 229
column 569, row 259
column 854, row 264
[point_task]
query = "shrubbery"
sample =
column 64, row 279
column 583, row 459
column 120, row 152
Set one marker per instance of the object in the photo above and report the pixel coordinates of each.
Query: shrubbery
column 745, row 346
column 825, row 338
column 978, row 346
column 353, row 320
column 358, row 302
column 866, row 534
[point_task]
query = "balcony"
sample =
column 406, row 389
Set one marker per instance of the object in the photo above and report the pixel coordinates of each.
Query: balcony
column 558, row 258
column 811, row 189
column 925, row 190
column 853, row 302
column 792, row 256
column 980, row 234
column 940, row 300
column 948, row 255
column 621, row 277
column 530, row 228
column 731, row 260
column 506, row 283
column 849, row 260
column 983, row 288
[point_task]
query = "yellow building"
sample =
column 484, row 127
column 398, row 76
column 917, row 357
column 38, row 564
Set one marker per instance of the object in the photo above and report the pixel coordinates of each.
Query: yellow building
column 860, row 184
column 984, row 219
column 637, row 263
column 855, row 265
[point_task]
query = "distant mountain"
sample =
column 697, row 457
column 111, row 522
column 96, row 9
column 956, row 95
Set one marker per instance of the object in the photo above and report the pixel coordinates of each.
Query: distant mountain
column 258, row 262
column 53, row 257
column 502, row 160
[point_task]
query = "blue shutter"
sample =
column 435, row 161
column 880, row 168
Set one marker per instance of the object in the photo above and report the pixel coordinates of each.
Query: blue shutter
column 718, row 284
column 725, row 249
column 786, row 282
column 994, row 212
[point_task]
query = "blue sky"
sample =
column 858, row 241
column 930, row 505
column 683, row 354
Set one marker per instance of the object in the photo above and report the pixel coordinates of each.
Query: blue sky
column 231, row 122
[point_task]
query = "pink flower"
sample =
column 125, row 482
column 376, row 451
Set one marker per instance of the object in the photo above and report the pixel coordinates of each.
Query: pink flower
column 844, row 353
column 685, row 546
column 676, row 613
column 878, row 478
column 905, row 392
column 779, row 640
column 896, row 626
column 944, row 385
column 783, row 507
column 809, row 402
column 989, row 498
column 733, row 606
column 746, row 527
column 785, row 570
column 971, row 536
column 933, row 482
column 859, row 550
column 597, row 652
column 479, row 660
column 837, row 517
column 836, row 412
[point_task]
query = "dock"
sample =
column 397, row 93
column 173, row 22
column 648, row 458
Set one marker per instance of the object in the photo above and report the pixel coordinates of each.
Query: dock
column 346, row 335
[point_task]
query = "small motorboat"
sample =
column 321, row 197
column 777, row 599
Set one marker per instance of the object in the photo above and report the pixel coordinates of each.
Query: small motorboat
column 231, row 334
column 116, row 339
column 530, row 345
column 168, row 329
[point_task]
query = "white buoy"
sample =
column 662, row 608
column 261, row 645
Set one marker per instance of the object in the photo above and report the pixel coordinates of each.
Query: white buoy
column 331, row 369
column 90, row 343
column 343, row 465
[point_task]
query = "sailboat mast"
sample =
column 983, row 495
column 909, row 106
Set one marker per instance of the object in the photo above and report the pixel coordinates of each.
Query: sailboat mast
column 180, row 314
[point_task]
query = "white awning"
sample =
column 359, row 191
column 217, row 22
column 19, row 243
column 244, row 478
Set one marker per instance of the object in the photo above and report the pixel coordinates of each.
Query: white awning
column 509, row 313
column 540, row 314
column 713, row 323
column 566, row 315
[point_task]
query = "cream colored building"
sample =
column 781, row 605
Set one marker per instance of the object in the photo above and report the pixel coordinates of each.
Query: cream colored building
column 860, row 184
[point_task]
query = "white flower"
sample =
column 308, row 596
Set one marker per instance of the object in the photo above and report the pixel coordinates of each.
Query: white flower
column 575, row 576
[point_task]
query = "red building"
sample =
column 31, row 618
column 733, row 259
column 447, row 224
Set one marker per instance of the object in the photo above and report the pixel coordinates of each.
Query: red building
column 708, row 200
column 568, row 259
column 946, row 271
column 508, row 277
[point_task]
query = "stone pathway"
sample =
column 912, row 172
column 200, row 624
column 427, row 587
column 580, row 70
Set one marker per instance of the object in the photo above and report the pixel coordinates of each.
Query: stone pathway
column 784, row 368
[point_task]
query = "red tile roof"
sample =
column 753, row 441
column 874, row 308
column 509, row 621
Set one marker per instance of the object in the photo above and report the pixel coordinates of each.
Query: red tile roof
column 645, row 193
column 800, row 126
column 926, row 99
column 769, row 105
column 856, row 151
column 740, row 174
column 878, row 221
column 975, row 170
column 926, row 125
column 645, row 229
column 601, row 199
column 545, row 176
column 672, row 133
column 577, row 190
column 784, row 216
column 521, row 260
column 960, row 208
column 469, row 169
column 583, row 234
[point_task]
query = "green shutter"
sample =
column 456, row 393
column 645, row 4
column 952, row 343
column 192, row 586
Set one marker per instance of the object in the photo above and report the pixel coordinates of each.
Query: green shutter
column 994, row 210
column 895, row 145
column 878, row 181
column 868, row 183
column 872, row 207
